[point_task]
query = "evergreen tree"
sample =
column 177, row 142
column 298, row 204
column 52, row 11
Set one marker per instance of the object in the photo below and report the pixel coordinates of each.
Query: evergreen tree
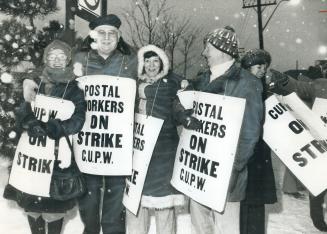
column 19, row 44
column 29, row 9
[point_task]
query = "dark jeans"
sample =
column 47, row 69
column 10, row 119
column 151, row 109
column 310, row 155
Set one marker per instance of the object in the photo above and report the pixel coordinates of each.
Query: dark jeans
column 113, row 212
column 252, row 218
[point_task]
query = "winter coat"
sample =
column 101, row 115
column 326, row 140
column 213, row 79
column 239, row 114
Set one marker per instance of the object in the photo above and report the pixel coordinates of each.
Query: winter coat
column 72, row 125
column 159, row 98
column 238, row 82
column 261, row 188
column 117, row 64
column 307, row 90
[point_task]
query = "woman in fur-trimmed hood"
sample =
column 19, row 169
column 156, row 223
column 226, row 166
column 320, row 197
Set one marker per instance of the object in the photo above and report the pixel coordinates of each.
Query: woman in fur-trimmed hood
column 157, row 89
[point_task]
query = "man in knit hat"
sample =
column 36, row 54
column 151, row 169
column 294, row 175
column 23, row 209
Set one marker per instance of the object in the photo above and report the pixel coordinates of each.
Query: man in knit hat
column 109, row 55
column 226, row 77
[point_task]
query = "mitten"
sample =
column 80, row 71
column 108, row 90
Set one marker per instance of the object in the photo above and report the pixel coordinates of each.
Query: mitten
column 54, row 130
column 29, row 90
column 36, row 128
column 278, row 79
column 190, row 122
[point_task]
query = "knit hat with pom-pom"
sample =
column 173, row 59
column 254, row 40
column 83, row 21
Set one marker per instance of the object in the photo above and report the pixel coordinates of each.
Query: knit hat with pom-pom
column 224, row 39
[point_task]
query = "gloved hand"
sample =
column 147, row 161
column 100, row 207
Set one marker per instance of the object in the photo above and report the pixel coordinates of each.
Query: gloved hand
column 278, row 79
column 36, row 129
column 190, row 122
column 53, row 129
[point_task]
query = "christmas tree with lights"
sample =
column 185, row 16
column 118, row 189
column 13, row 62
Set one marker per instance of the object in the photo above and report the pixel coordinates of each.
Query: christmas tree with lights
column 21, row 53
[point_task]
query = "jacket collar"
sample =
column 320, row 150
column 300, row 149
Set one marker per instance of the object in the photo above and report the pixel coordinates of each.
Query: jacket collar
column 93, row 54
column 218, row 84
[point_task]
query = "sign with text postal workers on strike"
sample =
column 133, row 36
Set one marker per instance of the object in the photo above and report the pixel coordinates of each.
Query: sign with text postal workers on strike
column 204, row 158
column 33, row 163
column 146, row 132
column 298, row 136
column 105, row 144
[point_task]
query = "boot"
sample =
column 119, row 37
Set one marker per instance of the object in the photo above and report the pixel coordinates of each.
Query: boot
column 37, row 225
column 55, row 226
column 317, row 212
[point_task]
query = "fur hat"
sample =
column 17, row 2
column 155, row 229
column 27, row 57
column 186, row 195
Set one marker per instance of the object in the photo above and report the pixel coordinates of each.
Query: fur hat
column 162, row 55
column 57, row 44
column 254, row 57
column 224, row 39
column 110, row 19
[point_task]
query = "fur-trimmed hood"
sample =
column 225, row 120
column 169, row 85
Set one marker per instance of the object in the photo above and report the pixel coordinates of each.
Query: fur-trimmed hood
column 162, row 55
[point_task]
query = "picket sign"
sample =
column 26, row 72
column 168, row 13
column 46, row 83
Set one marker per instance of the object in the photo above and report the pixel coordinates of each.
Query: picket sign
column 33, row 162
column 146, row 132
column 204, row 158
column 298, row 136
column 105, row 144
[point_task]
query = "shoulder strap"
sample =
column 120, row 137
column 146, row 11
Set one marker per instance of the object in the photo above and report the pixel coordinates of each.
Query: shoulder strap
column 68, row 141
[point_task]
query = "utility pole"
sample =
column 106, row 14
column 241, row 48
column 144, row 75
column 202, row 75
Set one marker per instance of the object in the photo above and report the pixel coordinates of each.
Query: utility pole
column 260, row 29
column 257, row 5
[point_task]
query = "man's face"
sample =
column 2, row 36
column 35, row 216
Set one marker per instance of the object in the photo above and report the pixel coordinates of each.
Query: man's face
column 152, row 66
column 259, row 70
column 57, row 59
column 212, row 55
column 107, row 39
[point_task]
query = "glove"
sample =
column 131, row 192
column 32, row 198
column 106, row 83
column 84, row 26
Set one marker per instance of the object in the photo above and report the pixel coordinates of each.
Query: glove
column 36, row 129
column 190, row 122
column 53, row 129
column 278, row 79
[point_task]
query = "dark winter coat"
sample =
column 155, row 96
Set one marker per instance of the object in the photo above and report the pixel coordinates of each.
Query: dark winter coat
column 307, row 90
column 237, row 82
column 157, row 182
column 72, row 125
column 156, row 98
column 120, row 64
column 261, row 188
column 117, row 64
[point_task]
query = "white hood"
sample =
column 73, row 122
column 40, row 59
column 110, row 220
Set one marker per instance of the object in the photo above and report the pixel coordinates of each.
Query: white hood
column 162, row 55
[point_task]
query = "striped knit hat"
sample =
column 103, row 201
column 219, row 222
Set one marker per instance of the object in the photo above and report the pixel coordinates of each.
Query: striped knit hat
column 224, row 39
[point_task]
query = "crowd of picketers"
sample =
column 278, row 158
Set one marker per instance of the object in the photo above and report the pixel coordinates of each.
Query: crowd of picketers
column 252, row 183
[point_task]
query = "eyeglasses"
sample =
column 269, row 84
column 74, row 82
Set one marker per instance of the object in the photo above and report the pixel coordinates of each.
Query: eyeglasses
column 53, row 57
column 103, row 33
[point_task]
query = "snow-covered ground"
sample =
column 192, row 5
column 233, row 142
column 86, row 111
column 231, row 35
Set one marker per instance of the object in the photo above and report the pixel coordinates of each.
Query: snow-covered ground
column 288, row 216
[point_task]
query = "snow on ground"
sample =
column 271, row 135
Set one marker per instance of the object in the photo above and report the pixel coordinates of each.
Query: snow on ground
column 288, row 216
